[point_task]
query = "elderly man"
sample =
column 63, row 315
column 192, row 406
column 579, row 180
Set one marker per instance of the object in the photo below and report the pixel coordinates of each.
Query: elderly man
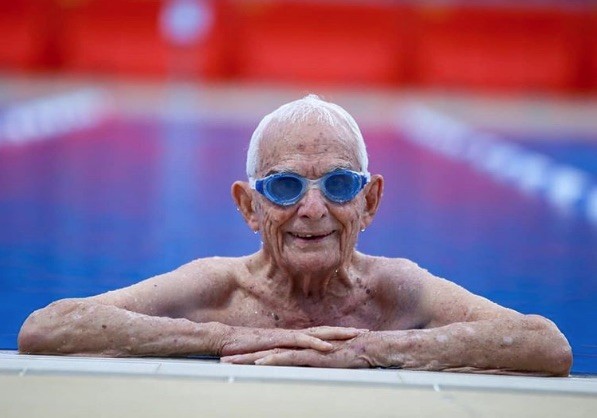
column 307, row 297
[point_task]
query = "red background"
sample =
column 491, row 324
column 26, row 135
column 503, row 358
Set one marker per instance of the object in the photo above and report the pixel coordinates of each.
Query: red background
column 396, row 44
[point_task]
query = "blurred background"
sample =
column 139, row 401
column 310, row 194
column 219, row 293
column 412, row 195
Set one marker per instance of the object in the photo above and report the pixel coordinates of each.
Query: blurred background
column 498, row 45
column 124, row 122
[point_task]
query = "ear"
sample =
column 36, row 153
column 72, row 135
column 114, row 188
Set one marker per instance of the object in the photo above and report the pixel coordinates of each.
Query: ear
column 242, row 194
column 373, row 193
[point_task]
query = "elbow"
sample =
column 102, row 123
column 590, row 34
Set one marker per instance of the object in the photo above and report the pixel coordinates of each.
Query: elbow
column 554, row 347
column 39, row 331
column 31, row 336
column 28, row 340
column 565, row 362
column 560, row 357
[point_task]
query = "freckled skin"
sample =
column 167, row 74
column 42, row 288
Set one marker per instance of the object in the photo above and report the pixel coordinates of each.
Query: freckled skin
column 299, row 301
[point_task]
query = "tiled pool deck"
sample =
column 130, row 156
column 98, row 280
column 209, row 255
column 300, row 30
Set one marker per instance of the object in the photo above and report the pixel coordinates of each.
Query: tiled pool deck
column 64, row 386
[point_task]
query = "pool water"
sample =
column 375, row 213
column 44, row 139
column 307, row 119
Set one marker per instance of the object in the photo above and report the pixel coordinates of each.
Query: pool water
column 103, row 208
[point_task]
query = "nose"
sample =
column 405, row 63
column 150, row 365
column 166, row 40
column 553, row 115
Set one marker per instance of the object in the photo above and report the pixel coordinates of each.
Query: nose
column 312, row 205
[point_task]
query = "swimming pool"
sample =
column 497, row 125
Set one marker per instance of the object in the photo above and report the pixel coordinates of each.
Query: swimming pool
column 100, row 208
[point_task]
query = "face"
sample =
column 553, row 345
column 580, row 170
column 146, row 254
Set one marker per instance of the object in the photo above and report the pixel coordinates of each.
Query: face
column 313, row 234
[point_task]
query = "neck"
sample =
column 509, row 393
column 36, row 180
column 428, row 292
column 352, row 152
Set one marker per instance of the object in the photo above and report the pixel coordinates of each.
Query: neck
column 305, row 283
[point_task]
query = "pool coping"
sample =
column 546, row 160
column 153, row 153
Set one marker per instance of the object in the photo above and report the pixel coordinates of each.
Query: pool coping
column 11, row 362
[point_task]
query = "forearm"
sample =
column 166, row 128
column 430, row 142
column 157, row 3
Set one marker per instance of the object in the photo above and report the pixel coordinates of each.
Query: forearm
column 529, row 345
column 87, row 328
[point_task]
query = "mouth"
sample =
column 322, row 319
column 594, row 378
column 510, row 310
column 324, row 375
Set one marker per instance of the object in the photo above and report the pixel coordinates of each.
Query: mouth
column 310, row 237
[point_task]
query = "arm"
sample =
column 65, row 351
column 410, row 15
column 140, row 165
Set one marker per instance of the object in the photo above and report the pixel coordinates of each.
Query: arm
column 478, row 346
column 83, row 327
column 525, row 345
column 138, row 320
column 148, row 319
column 86, row 327
column 462, row 332
column 466, row 332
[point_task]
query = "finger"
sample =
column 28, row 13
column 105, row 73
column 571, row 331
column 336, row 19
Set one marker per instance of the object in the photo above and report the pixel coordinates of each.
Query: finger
column 296, row 358
column 334, row 333
column 301, row 340
column 248, row 358
column 312, row 358
column 261, row 339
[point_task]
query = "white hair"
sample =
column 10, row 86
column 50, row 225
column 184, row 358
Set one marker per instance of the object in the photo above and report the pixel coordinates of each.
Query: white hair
column 301, row 111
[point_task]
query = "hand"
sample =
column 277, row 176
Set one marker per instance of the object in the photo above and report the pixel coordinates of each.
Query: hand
column 243, row 340
column 350, row 353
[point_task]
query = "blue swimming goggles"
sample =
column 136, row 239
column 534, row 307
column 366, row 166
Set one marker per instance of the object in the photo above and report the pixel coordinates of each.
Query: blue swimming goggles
column 285, row 189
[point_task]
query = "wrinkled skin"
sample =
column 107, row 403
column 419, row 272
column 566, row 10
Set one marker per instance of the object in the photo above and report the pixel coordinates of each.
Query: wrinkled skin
column 310, row 150
column 307, row 297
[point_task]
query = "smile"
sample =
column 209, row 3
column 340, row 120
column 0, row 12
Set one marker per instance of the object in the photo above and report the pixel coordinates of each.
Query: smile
column 310, row 237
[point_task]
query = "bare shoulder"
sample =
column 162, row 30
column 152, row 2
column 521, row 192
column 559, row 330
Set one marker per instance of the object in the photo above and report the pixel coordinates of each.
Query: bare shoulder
column 432, row 300
column 398, row 285
column 200, row 283
column 392, row 273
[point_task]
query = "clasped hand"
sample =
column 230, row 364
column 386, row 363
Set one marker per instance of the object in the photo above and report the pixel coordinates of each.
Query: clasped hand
column 316, row 347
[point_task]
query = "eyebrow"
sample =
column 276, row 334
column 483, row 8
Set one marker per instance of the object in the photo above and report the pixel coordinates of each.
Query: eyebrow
column 337, row 166
column 276, row 171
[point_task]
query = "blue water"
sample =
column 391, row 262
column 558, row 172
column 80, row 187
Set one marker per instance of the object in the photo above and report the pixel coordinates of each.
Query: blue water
column 101, row 209
column 576, row 151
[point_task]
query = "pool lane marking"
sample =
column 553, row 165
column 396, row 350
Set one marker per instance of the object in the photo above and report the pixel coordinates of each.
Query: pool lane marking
column 564, row 187
column 51, row 116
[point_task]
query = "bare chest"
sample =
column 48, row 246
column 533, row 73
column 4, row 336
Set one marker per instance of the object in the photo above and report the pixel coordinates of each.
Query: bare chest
column 351, row 312
column 363, row 308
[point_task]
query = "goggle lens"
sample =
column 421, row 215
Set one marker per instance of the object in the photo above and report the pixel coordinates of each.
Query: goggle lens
column 341, row 186
column 285, row 188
